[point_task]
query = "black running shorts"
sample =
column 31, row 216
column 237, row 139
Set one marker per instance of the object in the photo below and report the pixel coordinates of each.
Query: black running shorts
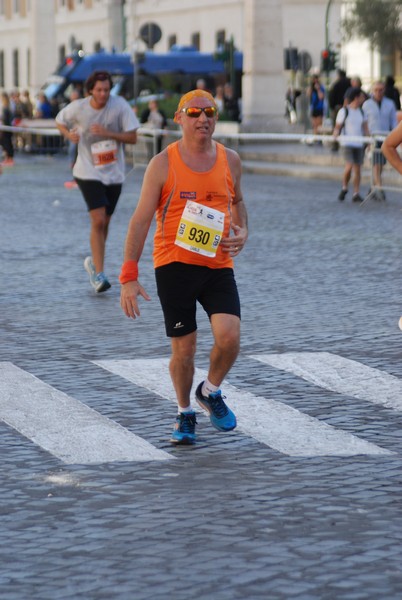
column 96, row 194
column 180, row 286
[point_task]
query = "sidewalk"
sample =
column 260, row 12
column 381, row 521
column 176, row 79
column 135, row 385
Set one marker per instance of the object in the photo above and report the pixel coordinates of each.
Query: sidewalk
column 297, row 160
column 289, row 158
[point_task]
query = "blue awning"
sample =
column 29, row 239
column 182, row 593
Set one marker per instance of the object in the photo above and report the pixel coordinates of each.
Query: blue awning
column 189, row 62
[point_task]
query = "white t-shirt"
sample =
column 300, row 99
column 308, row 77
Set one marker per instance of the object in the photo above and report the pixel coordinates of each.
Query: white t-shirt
column 99, row 159
column 353, row 126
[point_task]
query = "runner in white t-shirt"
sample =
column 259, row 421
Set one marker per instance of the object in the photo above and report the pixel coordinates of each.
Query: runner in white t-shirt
column 100, row 124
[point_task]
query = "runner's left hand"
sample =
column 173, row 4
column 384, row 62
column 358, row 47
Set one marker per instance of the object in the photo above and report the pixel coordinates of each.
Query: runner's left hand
column 235, row 243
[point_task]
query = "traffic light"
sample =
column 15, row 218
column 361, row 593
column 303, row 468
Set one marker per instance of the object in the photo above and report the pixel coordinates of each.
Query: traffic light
column 69, row 62
column 325, row 60
column 329, row 60
column 291, row 59
column 333, row 60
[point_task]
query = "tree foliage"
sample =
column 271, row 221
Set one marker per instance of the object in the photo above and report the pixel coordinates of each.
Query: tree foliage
column 378, row 21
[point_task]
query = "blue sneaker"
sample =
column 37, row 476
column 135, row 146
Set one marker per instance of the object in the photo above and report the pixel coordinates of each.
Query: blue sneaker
column 98, row 281
column 101, row 283
column 184, row 429
column 221, row 416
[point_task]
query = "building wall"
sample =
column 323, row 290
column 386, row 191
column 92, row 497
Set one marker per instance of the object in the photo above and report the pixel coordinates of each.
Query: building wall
column 14, row 36
column 43, row 29
column 95, row 23
column 183, row 19
column 106, row 23
column 359, row 60
column 263, row 79
column 304, row 27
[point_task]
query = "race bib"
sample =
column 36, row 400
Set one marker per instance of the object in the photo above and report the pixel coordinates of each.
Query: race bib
column 200, row 229
column 104, row 153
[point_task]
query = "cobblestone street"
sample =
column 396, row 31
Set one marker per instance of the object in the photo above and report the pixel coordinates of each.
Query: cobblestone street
column 233, row 517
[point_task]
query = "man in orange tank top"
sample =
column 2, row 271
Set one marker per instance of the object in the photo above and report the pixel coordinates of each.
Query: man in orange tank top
column 193, row 187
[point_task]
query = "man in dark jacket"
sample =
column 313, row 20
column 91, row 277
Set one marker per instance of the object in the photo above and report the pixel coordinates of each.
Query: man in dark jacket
column 392, row 92
column 337, row 92
column 336, row 98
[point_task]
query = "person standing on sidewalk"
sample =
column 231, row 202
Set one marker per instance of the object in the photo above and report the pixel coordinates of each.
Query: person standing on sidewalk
column 336, row 94
column 6, row 137
column 381, row 115
column 193, row 187
column 352, row 123
column 100, row 124
column 154, row 117
column 316, row 95
column 392, row 92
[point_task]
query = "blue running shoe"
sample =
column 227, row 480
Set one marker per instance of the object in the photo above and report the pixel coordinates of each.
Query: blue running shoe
column 221, row 416
column 98, row 281
column 184, row 429
column 101, row 283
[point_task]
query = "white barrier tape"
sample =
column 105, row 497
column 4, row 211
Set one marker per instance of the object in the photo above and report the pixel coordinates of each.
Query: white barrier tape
column 278, row 137
column 29, row 130
column 142, row 131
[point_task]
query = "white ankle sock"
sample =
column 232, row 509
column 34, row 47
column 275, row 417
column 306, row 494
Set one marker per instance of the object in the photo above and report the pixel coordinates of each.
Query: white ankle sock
column 208, row 388
column 185, row 410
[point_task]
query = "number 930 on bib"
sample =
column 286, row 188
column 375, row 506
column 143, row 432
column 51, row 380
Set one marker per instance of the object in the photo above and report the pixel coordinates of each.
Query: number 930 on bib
column 200, row 229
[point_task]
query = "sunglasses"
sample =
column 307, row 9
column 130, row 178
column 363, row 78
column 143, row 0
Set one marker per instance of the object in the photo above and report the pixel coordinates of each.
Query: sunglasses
column 195, row 111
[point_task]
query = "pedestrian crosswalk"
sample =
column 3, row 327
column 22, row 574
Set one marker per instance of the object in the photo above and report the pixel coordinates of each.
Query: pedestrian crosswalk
column 273, row 423
column 77, row 434
column 65, row 427
column 340, row 375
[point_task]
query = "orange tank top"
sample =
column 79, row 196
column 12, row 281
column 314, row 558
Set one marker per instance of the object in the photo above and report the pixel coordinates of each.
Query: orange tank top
column 194, row 213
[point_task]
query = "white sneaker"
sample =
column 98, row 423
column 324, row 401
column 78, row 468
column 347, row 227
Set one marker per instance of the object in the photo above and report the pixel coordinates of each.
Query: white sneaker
column 98, row 281
column 90, row 269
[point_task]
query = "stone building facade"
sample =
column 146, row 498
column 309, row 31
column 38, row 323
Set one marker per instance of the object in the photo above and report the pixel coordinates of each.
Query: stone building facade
column 36, row 34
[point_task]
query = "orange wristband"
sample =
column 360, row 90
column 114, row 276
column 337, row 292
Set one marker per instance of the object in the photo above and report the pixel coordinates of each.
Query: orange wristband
column 129, row 271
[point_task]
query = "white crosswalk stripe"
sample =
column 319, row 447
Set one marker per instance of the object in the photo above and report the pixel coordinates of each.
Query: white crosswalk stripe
column 68, row 429
column 340, row 375
column 273, row 423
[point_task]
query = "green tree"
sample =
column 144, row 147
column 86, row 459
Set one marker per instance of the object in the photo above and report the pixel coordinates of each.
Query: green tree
column 378, row 21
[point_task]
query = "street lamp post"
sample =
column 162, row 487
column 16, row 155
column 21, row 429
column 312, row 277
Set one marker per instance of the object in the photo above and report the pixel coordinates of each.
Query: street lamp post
column 327, row 24
column 327, row 42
